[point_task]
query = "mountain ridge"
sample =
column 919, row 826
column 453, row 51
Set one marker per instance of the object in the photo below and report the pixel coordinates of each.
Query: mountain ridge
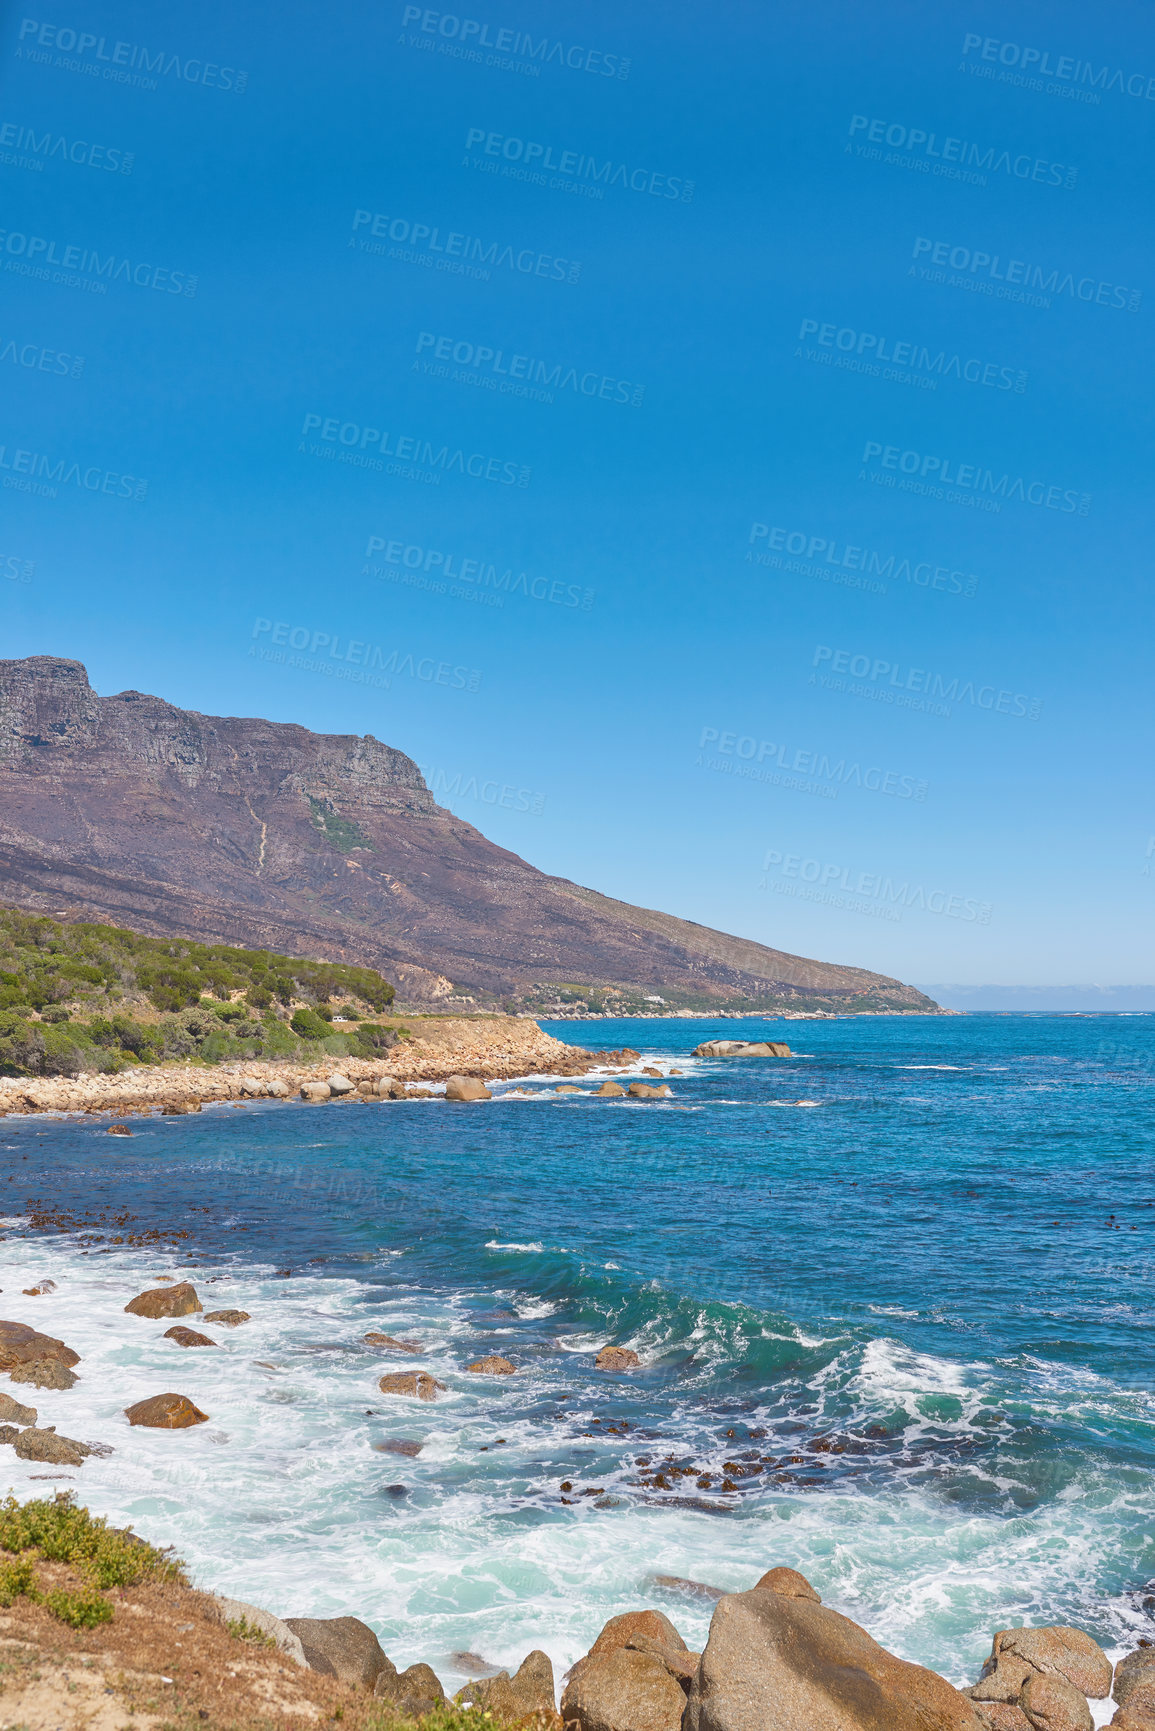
column 241, row 830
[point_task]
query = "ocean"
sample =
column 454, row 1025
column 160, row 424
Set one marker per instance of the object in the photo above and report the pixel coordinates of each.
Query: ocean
column 892, row 1298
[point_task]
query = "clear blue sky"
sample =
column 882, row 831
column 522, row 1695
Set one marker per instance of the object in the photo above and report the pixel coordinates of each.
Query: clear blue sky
column 852, row 277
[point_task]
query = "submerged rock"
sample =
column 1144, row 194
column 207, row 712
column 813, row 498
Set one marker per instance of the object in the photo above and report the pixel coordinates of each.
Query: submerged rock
column 165, row 1412
column 179, row 1300
column 411, row 1382
column 229, row 1318
column 786, row 1662
column 387, row 1343
column 492, row 1366
column 610, row 1091
column 341, row 1647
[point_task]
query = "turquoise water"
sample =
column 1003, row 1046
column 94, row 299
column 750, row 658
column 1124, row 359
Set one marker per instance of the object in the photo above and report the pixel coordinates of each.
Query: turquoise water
column 915, row 1316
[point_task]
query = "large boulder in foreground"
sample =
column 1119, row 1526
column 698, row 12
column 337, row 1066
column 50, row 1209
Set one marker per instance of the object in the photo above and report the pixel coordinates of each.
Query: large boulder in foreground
column 341, row 1647
column 410, row 1693
column 165, row 1412
column 1054, row 1650
column 179, row 1300
column 510, row 1699
column 634, row 1677
column 37, row 1358
column 787, row 1663
column 1134, row 1677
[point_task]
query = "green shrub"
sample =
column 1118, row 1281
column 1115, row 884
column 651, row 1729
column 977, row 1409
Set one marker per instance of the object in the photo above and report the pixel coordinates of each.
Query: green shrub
column 309, row 1025
column 61, row 1532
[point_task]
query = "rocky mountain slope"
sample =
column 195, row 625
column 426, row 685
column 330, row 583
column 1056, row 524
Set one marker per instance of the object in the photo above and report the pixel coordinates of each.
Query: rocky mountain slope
column 263, row 834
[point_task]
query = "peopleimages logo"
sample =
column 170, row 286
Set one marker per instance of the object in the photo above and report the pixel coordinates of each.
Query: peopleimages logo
column 472, row 34
column 120, row 61
column 827, row 882
column 41, row 147
column 1076, row 72
column 441, row 571
column 33, row 472
column 765, row 760
column 357, row 444
column 946, row 472
column 576, row 163
column 522, row 375
column 33, row 255
column 892, row 683
column 39, row 359
column 462, row 254
column 870, row 346
column 991, row 267
column 357, row 652
column 957, row 155
column 819, row 554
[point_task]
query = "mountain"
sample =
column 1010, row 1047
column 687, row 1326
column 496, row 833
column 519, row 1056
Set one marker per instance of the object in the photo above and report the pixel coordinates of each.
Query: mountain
column 263, row 834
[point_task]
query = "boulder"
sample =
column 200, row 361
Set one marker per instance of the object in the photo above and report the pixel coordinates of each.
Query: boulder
column 339, row 1085
column 794, row 1665
column 187, row 1337
column 492, row 1366
column 765, row 1049
column 508, row 1699
column 277, row 1090
column 1127, row 1720
column 44, row 1373
column 412, row 1692
column 421, row 1093
column 165, row 1412
column 411, row 1382
column 40, row 1290
column 21, row 1345
column 466, row 1088
column 568, row 1088
column 229, row 1318
column 643, row 1091
column 179, row 1300
column 789, row 1583
column 237, row 1611
column 651, row 1626
column 389, row 1088
column 1053, row 1650
column 1053, row 1704
column 610, row 1091
column 11, row 1411
column 315, row 1092
column 250, row 1087
column 1134, row 1676
column 627, row 1055
column 741, row 1049
column 387, row 1343
column 1002, row 1716
column 118, row 1130
column 179, row 1108
column 341, row 1647
column 626, row 1690
column 45, row 1445
column 616, row 1358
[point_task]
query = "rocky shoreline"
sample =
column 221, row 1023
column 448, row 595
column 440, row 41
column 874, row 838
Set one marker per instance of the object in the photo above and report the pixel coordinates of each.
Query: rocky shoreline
column 495, row 1048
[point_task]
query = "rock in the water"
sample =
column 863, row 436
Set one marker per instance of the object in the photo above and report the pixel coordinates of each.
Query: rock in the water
column 625, row 1690
column 568, row 1088
column 315, row 1091
column 11, row 1411
column 341, row 1647
column 413, row 1382
column 616, row 1358
column 179, row 1108
column 187, row 1337
column 644, row 1091
column 492, row 1366
column 508, row 1699
column 21, row 1345
column 1134, row 1676
column 230, row 1318
column 610, row 1091
column 237, row 1611
column 692, row 1589
column 387, row 1343
column 45, row 1445
column 788, row 1663
column 466, row 1088
column 412, row 1692
column 1053, row 1650
column 399, row 1446
column 741, row 1049
column 179, row 1300
column 1053, row 1704
column 166, row 1412
column 339, row 1085
column 118, row 1130
column 44, row 1373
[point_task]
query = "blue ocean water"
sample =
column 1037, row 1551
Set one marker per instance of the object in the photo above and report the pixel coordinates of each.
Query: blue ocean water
column 900, row 1282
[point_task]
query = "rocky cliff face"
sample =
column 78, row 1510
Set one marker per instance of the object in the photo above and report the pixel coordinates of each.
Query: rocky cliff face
column 261, row 833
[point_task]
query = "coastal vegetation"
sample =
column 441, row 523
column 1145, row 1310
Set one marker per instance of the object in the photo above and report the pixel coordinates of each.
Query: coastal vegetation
column 98, row 998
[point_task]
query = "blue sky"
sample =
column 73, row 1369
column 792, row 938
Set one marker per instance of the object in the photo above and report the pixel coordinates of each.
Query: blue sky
column 712, row 442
